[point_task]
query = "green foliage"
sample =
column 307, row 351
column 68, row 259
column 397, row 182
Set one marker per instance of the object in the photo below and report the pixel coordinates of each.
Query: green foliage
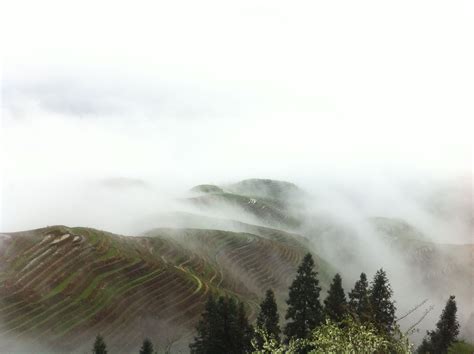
column 223, row 328
column 461, row 347
column 335, row 304
column 99, row 346
column 382, row 304
column 359, row 302
column 265, row 343
column 446, row 332
column 206, row 340
column 330, row 337
column 147, row 347
column 304, row 309
column 244, row 331
column 268, row 317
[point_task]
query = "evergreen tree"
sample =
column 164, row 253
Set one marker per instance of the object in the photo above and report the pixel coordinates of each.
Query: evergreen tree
column 147, row 347
column 359, row 302
column 244, row 331
column 447, row 330
column 381, row 302
column 99, row 346
column 335, row 304
column 227, row 309
column 223, row 328
column 304, row 309
column 268, row 318
column 426, row 346
column 207, row 339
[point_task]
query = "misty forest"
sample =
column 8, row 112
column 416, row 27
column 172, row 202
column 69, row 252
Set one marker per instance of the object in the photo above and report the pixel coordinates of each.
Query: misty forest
column 236, row 177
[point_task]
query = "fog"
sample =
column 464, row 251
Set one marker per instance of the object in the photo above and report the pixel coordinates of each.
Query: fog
column 111, row 112
column 358, row 93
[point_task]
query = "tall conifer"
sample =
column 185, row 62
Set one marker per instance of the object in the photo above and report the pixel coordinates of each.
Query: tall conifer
column 359, row 302
column 223, row 328
column 335, row 304
column 268, row 317
column 381, row 302
column 99, row 346
column 304, row 309
column 447, row 330
column 244, row 331
column 147, row 347
column 207, row 340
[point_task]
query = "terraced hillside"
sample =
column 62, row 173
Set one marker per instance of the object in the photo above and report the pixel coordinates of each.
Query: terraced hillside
column 350, row 245
column 269, row 202
column 60, row 286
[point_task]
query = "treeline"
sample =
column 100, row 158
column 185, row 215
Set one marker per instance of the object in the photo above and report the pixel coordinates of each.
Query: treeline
column 362, row 321
column 101, row 348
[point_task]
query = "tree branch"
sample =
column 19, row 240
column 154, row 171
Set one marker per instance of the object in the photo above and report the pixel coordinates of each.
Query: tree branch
column 412, row 310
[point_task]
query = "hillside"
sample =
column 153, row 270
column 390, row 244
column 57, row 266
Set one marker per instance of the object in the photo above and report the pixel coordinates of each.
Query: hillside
column 60, row 286
column 263, row 201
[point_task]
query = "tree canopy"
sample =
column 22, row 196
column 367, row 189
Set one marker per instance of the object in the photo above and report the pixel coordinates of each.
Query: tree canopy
column 223, row 328
column 446, row 332
column 335, row 304
column 147, row 347
column 99, row 346
column 359, row 302
column 382, row 304
column 268, row 317
column 304, row 309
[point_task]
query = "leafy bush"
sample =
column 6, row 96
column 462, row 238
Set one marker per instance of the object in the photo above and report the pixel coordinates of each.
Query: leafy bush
column 331, row 337
column 461, row 347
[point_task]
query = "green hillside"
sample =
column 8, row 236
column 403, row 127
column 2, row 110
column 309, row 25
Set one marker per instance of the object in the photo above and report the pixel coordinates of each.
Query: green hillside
column 61, row 285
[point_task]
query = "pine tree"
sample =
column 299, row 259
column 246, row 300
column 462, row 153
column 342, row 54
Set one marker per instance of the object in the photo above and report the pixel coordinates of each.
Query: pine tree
column 147, row 347
column 426, row 346
column 268, row 316
column 227, row 309
column 335, row 304
column 381, row 302
column 359, row 302
column 99, row 346
column 244, row 331
column 208, row 328
column 304, row 309
column 447, row 330
column 223, row 328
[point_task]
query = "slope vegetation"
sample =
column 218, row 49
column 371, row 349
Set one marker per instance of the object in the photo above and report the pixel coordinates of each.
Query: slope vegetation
column 64, row 285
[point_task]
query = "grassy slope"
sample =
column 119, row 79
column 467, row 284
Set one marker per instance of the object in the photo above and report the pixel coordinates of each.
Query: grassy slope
column 63, row 285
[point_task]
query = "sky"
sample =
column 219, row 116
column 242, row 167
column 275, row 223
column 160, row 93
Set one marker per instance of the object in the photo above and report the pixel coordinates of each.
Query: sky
column 183, row 92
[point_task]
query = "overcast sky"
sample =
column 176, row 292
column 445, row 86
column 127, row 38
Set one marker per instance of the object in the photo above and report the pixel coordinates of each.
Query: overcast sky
column 206, row 91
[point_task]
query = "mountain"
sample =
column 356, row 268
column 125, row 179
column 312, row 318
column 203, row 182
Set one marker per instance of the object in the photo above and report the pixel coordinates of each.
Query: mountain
column 60, row 286
column 264, row 201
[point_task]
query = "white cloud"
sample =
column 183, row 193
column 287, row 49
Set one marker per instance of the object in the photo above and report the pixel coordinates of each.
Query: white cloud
column 209, row 91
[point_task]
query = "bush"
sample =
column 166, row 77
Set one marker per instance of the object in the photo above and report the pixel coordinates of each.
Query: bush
column 332, row 338
column 461, row 347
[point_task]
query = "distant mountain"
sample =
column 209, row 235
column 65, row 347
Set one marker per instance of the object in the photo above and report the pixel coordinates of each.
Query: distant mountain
column 267, row 188
column 269, row 202
column 207, row 188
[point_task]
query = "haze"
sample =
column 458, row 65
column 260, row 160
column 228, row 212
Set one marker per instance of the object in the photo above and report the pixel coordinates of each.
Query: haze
column 368, row 100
